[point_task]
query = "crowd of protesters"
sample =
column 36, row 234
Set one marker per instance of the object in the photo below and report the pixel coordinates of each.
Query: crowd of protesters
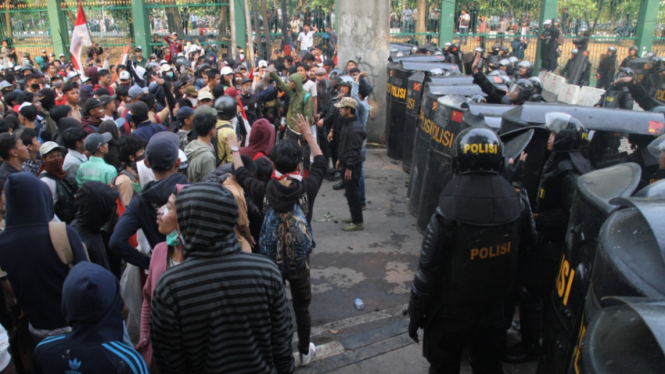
column 155, row 206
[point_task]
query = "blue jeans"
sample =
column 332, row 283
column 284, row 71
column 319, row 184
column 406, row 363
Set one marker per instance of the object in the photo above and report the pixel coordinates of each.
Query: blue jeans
column 363, row 201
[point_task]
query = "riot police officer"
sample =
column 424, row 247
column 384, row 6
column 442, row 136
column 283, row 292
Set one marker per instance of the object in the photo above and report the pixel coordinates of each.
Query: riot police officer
column 548, row 44
column 606, row 68
column 617, row 95
column 493, row 58
column 455, row 56
column 518, row 94
column 568, row 68
column 525, row 69
column 657, row 150
column 468, row 259
column 649, row 163
column 537, row 95
column 555, row 198
column 632, row 54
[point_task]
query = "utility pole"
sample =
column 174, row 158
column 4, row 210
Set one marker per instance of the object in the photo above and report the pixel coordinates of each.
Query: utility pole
column 232, row 14
column 250, row 42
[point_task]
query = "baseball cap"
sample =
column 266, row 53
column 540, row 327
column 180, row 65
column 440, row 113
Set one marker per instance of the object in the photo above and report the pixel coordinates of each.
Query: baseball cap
column 204, row 109
column 124, row 75
column 165, row 68
column 184, row 112
column 205, row 95
column 85, row 78
column 48, row 147
column 162, row 150
column 105, row 99
column 72, row 74
column 62, row 55
column 91, row 103
column 28, row 111
column 226, row 70
column 138, row 49
column 174, row 33
column 320, row 71
column 94, row 141
column 263, row 64
column 347, row 102
column 135, row 91
column 191, row 91
column 5, row 84
column 245, row 80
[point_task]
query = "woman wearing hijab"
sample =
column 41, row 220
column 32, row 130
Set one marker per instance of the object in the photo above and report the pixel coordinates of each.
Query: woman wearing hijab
column 165, row 256
column 47, row 98
column 113, row 157
column 261, row 140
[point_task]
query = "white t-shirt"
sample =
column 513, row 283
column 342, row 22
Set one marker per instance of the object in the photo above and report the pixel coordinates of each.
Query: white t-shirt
column 306, row 40
column 310, row 87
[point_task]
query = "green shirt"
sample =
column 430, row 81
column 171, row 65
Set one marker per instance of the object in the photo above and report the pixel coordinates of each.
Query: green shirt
column 95, row 169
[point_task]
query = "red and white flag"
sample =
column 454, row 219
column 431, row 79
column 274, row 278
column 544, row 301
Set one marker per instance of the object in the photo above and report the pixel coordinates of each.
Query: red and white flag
column 80, row 39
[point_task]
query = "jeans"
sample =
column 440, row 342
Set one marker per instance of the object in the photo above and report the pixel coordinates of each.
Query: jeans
column 303, row 145
column 464, row 37
column 301, row 293
column 363, row 200
column 352, row 189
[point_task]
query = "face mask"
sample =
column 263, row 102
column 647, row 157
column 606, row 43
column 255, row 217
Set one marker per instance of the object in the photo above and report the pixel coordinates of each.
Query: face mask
column 242, row 56
column 238, row 80
column 57, row 84
column 34, row 86
column 169, row 74
column 246, row 90
column 194, row 101
column 173, row 239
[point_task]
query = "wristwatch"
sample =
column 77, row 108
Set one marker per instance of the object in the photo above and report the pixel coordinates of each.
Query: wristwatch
column 234, row 149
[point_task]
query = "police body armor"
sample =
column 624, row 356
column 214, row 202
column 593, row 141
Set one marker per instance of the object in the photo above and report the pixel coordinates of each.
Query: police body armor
column 616, row 98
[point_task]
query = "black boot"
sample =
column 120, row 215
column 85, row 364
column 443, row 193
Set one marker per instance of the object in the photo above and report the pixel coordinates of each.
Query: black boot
column 339, row 186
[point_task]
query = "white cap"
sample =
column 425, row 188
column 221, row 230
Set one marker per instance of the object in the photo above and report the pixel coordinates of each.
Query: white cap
column 547, row 22
column 226, row 70
column 163, row 62
column 165, row 68
column 72, row 74
column 263, row 64
column 84, row 78
column 124, row 75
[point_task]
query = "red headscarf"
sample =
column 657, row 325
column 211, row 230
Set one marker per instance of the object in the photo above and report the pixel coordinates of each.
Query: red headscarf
column 261, row 139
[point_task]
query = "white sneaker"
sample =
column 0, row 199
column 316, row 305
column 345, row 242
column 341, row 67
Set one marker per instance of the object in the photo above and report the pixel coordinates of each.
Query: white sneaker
column 304, row 360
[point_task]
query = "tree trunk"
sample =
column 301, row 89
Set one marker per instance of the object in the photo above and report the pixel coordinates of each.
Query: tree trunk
column 422, row 16
column 250, row 37
column 8, row 20
column 257, row 24
column 266, row 32
column 231, row 50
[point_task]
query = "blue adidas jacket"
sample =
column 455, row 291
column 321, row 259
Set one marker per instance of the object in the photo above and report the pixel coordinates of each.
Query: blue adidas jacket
column 92, row 306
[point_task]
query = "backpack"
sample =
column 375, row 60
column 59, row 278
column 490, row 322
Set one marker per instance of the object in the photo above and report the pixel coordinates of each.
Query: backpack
column 286, row 238
column 65, row 190
column 218, row 161
column 60, row 240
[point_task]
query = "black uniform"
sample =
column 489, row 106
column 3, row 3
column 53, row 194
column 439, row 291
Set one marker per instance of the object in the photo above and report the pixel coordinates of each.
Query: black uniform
column 250, row 103
column 456, row 58
column 616, row 97
column 548, row 43
column 606, row 69
column 624, row 63
column 466, row 268
column 494, row 96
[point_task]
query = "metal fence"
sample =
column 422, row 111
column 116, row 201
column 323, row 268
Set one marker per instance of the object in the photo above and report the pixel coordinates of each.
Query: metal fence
column 26, row 26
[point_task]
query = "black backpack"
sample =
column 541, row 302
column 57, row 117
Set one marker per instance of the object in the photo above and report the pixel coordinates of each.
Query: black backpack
column 65, row 190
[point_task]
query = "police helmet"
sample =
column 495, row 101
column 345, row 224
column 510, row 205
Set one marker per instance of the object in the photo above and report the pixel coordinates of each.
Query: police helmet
column 345, row 80
column 226, row 107
column 654, row 61
column 626, row 72
column 334, row 74
column 568, row 131
column 478, row 149
column 455, row 47
column 480, row 50
column 496, row 73
column 181, row 63
column 574, row 51
column 438, row 53
column 526, row 65
column 203, row 66
column 612, row 49
column 505, row 49
column 436, row 72
column 649, row 54
column 555, row 21
column 447, row 45
column 152, row 66
column 479, row 99
column 414, row 50
column 536, row 98
column 505, row 62
column 657, row 147
column 496, row 48
column 520, row 91
column 537, row 85
column 513, row 60
column 633, row 48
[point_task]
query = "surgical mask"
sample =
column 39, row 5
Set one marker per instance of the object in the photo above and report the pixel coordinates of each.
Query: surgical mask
column 194, row 101
column 238, row 80
column 242, row 55
column 57, row 84
column 173, row 239
column 34, row 86
column 169, row 74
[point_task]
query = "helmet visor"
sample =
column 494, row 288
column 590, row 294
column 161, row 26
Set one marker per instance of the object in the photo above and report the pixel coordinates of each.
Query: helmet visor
column 556, row 121
column 515, row 92
column 657, row 147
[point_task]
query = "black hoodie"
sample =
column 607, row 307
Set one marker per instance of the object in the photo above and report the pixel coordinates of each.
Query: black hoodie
column 142, row 214
column 280, row 197
column 95, row 206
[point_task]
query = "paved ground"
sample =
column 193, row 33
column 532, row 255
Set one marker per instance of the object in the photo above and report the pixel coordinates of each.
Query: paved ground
column 376, row 265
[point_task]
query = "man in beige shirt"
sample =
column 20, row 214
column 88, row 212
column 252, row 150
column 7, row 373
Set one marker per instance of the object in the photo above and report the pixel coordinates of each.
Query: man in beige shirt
column 71, row 93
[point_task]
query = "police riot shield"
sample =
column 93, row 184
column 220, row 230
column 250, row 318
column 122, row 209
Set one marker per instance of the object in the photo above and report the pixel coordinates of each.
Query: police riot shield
column 579, row 62
column 399, row 85
column 423, row 137
column 439, row 167
column 627, row 336
column 403, row 48
column 414, row 96
column 491, row 112
column 629, row 263
column 417, row 58
column 449, row 81
column 659, row 93
column 639, row 66
column 591, row 206
column 656, row 189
